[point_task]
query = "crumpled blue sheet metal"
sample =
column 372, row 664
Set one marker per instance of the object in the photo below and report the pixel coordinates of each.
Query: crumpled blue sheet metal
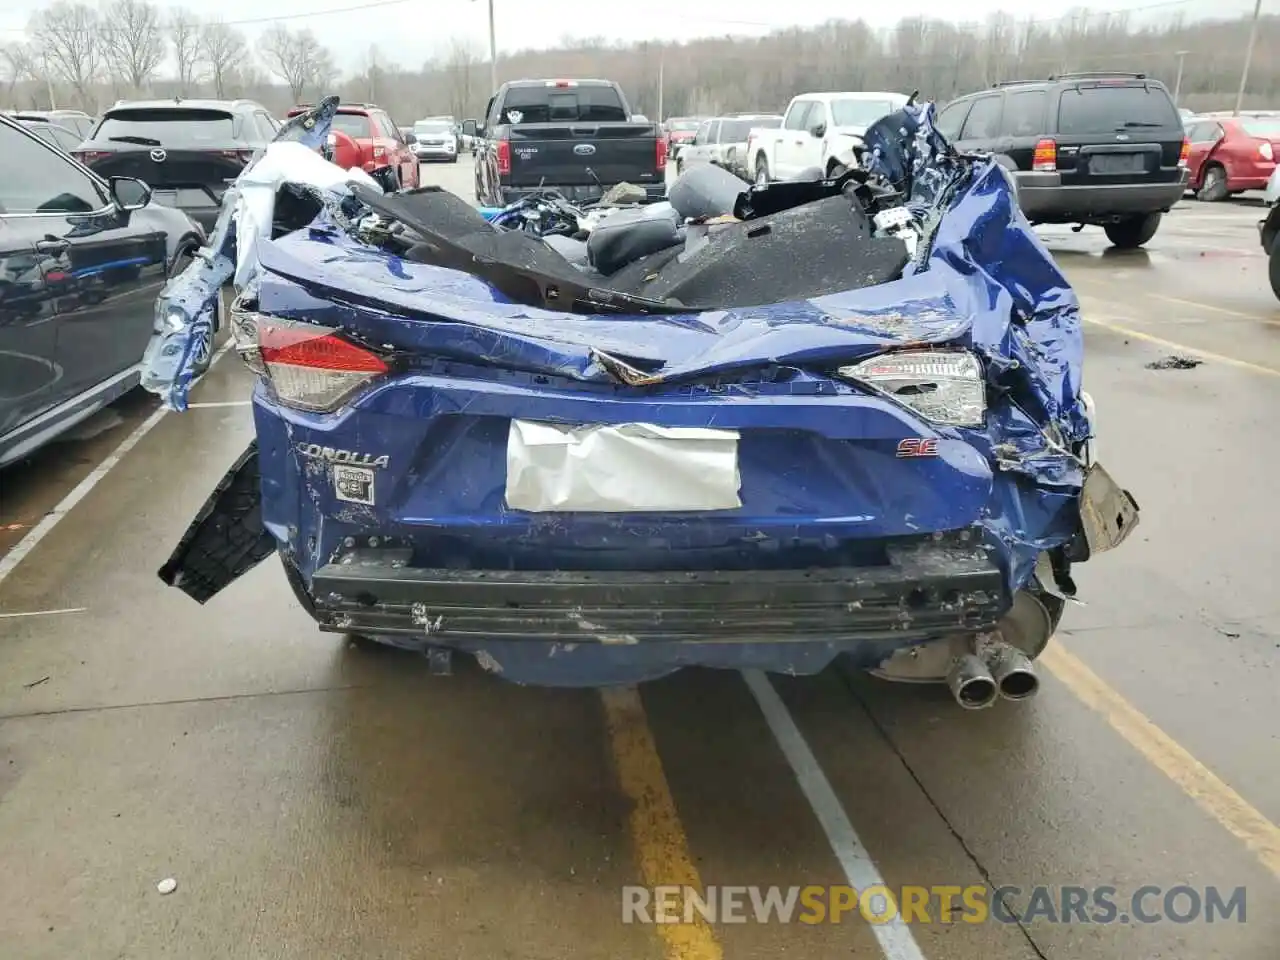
column 983, row 281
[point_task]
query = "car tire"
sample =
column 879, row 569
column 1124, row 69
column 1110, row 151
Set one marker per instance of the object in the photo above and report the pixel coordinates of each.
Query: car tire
column 1133, row 232
column 1213, row 185
column 762, row 172
column 1273, row 268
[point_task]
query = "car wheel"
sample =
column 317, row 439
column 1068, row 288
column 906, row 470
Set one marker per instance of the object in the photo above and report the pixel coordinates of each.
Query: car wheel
column 1273, row 268
column 762, row 172
column 1214, row 186
column 1132, row 232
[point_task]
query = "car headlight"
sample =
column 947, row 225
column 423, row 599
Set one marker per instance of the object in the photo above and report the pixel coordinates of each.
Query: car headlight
column 942, row 386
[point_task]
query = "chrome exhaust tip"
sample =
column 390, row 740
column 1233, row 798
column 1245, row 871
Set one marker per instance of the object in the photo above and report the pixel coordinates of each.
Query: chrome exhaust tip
column 1014, row 674
column 971, row 683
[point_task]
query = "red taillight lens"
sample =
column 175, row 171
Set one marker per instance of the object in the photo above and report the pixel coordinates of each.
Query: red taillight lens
column 244, row 156
column 660, row 160
column 1045, row 157
column 89, row 156
column 504, row 157
column 309, row 367
column 1185, row 153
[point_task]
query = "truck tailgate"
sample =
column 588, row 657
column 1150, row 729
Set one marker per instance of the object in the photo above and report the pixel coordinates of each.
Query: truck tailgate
column 568, row 154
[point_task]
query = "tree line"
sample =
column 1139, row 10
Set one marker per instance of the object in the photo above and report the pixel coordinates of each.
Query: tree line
column 88, row 56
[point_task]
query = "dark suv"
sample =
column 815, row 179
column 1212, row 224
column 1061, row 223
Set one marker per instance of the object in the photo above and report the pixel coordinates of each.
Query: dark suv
column 186, row 150
column 1107, row 149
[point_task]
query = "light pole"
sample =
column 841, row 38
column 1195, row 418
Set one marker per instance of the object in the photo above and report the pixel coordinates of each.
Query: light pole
column 493, row 53
column 1177, row 84
column 1248, row 56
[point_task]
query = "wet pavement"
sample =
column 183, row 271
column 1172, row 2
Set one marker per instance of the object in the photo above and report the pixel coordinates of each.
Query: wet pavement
column 314, row 799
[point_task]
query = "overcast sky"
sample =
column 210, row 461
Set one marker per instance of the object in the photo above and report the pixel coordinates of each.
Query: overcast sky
column 410, row 31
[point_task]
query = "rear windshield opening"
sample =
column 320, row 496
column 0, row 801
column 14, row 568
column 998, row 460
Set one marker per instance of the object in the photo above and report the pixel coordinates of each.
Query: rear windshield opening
column 858, row 113
column 563, row 104
column 352, row 124
column 1085, row 110
column 1268, row 129
column 174, row 127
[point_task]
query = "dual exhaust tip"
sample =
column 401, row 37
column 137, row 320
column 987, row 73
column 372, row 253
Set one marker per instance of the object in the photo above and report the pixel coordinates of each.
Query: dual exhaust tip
column 1001, row 670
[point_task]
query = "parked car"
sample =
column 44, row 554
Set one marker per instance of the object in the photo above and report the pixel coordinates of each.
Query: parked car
column 186, row 150
column 818, row 130
column 724, row 142
column 435, row 140
column 383, row 149
column 680, row 132
column 81, row 262
column 1230, row 155
column 575, row 136
column 797, row 457
column 54, row 134
column 77, row 121
column 1106, row 149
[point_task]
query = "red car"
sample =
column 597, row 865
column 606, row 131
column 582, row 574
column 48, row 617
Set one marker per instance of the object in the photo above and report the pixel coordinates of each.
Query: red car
column 680, row 132
column 1231, row 154
column 380, row 141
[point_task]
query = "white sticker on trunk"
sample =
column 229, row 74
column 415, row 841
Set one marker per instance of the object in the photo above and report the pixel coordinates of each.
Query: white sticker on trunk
column 353, row 484
column 624, row 468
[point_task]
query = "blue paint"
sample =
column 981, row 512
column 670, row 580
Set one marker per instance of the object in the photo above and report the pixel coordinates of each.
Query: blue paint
column 819, row 471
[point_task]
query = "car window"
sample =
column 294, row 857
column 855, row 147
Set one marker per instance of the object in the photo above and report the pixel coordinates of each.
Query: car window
column 857, row 113
column 65, row 139
column 798, row 115
column 714, row 135
column 266, row 125
column 353, row 125
column 389, row 129
column 554, row 104
column 1262, row 128
column 1106, row 109
column 950, row 119
column 35, row 179
column 170, row 127
column 983, row 121
column 1024, row 113
column 45, row 134
column 703, row 133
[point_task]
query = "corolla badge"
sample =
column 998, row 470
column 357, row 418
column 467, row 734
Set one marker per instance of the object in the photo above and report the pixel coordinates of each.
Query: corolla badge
column 334, row 455
column 584, row 149
column 158, row 156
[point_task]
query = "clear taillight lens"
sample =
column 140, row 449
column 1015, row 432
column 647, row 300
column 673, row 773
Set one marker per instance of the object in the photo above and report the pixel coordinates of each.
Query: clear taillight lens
column 309, row 367
column 1265, row 151
column 942, row 386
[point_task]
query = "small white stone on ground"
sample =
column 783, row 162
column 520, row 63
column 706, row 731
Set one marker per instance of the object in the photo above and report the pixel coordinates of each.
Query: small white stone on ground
column 167, row 885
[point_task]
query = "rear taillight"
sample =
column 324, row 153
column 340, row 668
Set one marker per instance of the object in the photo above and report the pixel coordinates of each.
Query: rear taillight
column 660, row 158
column 1185, row 153
column 504, row 157
column 1265, row 151
column 308, row 367
column 379, row 152
column 244, row 156
column 90, row 156
column 1045, row 157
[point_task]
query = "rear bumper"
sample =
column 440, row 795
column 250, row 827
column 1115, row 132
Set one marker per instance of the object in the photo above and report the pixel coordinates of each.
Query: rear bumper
column 654, row 192
column 1043, row 197
column 928, row 588
column 435, row 153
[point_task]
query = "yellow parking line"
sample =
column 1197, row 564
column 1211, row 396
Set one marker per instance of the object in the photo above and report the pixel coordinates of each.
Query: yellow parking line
column 661, row 845
column 1197, row 781
column 1205, row 306
column 1180, row 347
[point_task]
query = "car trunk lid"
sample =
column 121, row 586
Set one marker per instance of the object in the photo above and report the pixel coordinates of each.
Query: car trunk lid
column 1117, row 132
column 583, row 154
column 180, row 177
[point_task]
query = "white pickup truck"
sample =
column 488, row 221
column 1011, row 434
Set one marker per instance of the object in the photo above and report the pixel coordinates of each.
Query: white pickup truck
column 819, row 130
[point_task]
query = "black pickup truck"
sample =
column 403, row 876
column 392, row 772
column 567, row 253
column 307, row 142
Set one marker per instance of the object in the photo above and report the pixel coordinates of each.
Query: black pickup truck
column 575, row 136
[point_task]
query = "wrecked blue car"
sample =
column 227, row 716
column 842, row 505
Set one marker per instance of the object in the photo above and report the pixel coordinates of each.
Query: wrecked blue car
column 843, row 418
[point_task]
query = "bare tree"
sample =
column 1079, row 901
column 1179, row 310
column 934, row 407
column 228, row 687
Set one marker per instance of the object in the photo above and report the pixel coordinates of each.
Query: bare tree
column 132, row 41
column 21, row 65
column 67, row 40
column 299, row 59
column 186, row 33
column 224, row 50
column 460, row 65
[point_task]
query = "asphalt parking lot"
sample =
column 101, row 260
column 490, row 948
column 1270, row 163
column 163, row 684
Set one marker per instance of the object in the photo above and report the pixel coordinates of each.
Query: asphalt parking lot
column 313, row 799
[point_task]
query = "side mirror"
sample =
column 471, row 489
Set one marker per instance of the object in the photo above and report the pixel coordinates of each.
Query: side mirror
column 410, row 139
column 469, row 128
column 129, row 193
column 818, row 129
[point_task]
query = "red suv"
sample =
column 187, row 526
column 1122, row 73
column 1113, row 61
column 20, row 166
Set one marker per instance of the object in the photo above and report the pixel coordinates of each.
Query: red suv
column 1231, row 154
column 380, row 141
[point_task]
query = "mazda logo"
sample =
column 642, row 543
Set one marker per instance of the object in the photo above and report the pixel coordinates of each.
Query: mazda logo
column 158, row 156
column 584, row 149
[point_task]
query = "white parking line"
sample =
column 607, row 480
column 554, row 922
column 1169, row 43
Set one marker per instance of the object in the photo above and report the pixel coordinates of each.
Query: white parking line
column 895, row 938
column 42, row 613
column 219, row 403
column 10, row 561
